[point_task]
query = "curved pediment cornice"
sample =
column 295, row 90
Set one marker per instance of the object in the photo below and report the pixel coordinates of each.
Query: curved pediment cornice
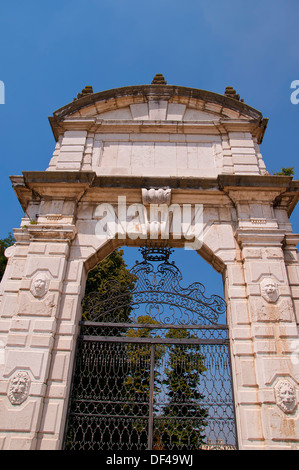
column 157, row 102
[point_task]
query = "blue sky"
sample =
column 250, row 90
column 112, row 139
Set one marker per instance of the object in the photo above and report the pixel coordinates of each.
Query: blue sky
column 50, row 50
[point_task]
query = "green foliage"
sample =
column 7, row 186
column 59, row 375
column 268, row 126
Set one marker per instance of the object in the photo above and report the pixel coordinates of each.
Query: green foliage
column 112, row 280
column 119, row 374
column 185, row 419
column 102, row 373
column 290, row 171
column 5, row 243
column 111, row 268
column 137, row 383
column 139, row 359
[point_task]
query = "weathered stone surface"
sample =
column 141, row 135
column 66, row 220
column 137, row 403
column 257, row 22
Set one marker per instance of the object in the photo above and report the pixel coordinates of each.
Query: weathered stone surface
column 131, row 148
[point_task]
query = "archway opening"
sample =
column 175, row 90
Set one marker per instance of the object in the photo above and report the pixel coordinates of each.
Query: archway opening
column 152, row 367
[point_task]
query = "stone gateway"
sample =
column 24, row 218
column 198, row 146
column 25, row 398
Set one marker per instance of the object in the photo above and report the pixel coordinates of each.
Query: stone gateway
column 136, row 147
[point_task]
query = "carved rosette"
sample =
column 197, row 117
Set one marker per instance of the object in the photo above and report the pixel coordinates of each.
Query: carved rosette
column 19, row 385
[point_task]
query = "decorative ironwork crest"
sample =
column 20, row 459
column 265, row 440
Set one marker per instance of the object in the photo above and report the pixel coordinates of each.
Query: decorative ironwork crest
column 157, row 293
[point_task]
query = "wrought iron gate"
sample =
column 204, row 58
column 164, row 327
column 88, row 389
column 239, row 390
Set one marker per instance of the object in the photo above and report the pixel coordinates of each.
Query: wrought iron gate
column 152, row 366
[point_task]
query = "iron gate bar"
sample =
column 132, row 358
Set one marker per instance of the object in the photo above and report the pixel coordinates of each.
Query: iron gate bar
column 126, row 339
column 157, row 326
column 105, row 411
column 151, row 399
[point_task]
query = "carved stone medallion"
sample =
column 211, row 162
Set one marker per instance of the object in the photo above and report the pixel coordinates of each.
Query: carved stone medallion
column 40, row 285
column 285, row 394
column 19, row 387
column 269, row 290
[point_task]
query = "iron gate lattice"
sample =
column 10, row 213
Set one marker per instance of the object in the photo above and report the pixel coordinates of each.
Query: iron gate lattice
column 152, row 366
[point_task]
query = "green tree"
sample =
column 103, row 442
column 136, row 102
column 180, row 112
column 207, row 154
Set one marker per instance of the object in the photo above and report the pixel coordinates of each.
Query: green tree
column 111, row 268
column 139, row 359
column 5, row 243
column 290, row 171
column 184, row 419
column 108, row 290
column 101, row 369
column 137, row 383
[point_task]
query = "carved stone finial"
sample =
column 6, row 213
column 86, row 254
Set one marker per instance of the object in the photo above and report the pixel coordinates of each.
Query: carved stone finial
column 86, row 91
column 159, row 79
column 231, row 93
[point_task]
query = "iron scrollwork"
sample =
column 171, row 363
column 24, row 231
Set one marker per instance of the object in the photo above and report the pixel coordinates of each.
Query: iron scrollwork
column 152, row 366
column 159, row 291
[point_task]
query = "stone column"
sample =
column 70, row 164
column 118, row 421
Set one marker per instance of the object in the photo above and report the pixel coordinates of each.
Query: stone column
column 31, row 297
column 54, row 416
column 292, row 265
column 268, row 392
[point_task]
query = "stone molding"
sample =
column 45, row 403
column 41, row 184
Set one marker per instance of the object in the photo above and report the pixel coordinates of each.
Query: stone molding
column 47, row 233
column 141, row 94
column 77, row 184
column 260, row 237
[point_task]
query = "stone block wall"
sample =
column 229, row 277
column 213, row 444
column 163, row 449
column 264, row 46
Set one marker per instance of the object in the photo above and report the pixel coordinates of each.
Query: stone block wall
column 193, row 147
column 250, row 243
column 146, row 154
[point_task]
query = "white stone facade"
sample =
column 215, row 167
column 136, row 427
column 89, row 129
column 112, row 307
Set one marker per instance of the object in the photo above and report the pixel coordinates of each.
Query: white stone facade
column 196, row 148
column 170, row 135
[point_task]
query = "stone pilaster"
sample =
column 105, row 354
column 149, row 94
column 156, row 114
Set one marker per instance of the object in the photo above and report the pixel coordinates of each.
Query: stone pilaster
column 272, row 334
column 30, row 304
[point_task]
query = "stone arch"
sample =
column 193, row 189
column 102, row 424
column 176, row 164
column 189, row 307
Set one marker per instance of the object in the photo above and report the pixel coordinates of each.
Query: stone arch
column 96, row 253
column 112, row 244
column 99, row 253
column 204, row 252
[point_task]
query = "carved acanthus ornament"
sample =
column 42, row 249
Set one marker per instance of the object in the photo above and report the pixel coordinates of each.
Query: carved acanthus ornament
column 156, row 196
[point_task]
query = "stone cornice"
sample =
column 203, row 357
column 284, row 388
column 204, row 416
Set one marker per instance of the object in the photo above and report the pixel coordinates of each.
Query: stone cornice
column 35, row 184
column 215, row 127
column 103, row 101
column 52, row 233
column 281, row 190
column 162, row 92
column 73, row 185
column 259, row 237
column 255, row 181
column 90, row 178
